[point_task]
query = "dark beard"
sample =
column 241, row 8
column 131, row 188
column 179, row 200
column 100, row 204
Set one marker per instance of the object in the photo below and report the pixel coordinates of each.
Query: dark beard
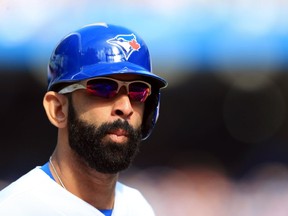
column 105, row 157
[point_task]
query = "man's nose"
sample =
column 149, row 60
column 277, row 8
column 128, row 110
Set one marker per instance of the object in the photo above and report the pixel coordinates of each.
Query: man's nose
column 122, row 106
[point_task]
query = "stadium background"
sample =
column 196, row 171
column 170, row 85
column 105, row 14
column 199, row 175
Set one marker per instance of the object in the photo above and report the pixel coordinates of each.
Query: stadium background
column 224, row 111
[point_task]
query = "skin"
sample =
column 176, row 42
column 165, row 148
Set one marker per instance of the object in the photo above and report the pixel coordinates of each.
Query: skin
column 93, row 187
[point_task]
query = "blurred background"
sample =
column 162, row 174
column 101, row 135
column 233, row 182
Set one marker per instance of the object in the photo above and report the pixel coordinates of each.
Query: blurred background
column 220, row 146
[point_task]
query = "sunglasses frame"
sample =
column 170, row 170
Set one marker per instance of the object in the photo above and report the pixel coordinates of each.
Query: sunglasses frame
column 83, row 85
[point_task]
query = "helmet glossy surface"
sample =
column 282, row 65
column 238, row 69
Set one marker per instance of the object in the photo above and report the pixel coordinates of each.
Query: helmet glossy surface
column 101, row 50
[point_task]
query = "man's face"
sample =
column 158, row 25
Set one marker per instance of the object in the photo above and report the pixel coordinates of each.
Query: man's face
column 105, row 133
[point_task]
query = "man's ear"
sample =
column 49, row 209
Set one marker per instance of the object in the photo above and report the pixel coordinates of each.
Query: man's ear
column 56, row 107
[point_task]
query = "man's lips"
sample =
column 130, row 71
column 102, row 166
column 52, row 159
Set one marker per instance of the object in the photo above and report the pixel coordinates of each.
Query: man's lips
column 118, row 136
column 119, row 132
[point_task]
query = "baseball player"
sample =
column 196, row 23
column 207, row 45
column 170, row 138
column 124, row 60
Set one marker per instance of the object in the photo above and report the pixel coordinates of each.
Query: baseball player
column 104, row 99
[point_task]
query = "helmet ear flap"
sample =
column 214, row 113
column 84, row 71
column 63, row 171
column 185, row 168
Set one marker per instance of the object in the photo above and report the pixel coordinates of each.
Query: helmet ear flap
column 151, row 113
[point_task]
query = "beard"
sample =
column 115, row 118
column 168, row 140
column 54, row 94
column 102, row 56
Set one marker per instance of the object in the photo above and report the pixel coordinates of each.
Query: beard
column 88, row 142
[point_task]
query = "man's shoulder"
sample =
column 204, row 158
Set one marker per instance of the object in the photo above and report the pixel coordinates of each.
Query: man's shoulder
column 17, row 196
column 36, row 193
column 22, row 185
column 128, row 192
column 131, row 199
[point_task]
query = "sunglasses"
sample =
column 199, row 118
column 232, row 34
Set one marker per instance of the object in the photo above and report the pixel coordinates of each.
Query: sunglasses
column 105, row 87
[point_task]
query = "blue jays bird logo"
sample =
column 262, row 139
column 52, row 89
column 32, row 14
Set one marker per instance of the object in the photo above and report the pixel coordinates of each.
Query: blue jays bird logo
column 126, row 42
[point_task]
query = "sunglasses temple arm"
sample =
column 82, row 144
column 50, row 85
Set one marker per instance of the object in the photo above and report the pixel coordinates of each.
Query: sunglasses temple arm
column 71, row 88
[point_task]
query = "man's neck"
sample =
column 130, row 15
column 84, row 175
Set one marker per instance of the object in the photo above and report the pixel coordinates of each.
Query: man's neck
column 97, row 189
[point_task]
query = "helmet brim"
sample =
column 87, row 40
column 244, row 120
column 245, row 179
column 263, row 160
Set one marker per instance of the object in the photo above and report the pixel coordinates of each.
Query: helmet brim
column 108, row 69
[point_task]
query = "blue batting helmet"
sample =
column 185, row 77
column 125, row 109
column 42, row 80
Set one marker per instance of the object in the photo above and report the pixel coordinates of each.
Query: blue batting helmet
column 101, row 50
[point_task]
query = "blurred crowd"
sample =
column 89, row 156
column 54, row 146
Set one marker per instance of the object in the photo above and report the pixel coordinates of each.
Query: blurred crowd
column 210, row 192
